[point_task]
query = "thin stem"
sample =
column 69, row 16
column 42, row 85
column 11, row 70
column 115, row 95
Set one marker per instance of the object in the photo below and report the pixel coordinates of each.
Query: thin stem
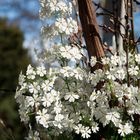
column 132, row 21
column 111, row 16
column 104, row 9
column 61, row 38
column 127, row 43
column 115, row 11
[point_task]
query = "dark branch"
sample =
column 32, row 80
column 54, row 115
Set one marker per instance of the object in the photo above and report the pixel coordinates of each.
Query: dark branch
column 137, row 2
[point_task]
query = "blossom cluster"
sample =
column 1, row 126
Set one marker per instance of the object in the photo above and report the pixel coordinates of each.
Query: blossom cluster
column 68, row 97
column 60, row 13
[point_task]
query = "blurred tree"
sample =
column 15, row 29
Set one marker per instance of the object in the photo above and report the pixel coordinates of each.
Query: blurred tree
column 13, row 59
column 24, row 14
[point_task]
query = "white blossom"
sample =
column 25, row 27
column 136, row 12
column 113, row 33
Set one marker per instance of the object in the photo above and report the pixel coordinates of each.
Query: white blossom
column 71, row 96
column 66, row 71
column 110, row 75
column 95, row 127
column 125, row 129
column 59, row 6
column 23, row 114
column 85, row 132
column 61, row 24
column 59, row 117
column 34, row 88
column 75, row 54
column 78, row 74
column 114, row 60
column 30, row 101
column 43, row 118
column 41, row 71
column 137, row 58
column 93, row 61
column 120, row 74
column 78, row 128
column 47, row 85
column 93, row 96
column 65, row 51
column 30, row 72
column 58, row 107
column 71, row 53
column 72, row 26
column 114, row 117
column 133, row 70
column 58, row 120
column 68, row 26
column 105, row 60
column 21, row 79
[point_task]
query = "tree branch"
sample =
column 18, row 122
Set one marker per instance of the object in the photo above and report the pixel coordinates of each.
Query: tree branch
column 90, row 28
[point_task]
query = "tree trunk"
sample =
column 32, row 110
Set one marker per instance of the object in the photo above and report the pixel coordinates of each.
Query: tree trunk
column 90, row 28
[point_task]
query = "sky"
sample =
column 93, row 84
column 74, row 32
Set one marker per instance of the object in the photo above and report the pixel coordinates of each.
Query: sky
column 17, row 11
column 137, row 22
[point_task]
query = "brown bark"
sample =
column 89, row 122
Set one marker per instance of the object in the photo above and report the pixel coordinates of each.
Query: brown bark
column 90, row 28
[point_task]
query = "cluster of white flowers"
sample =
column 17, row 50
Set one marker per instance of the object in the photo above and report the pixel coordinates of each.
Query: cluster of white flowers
column 66, row 26
column 85, row 131
column 60, row 12
column 54, row 7
column 70, row 97
column 77, row 73
column 64, row 97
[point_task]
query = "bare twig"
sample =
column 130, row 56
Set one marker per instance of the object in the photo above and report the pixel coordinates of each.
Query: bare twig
column 137, row 2
column 99, row 5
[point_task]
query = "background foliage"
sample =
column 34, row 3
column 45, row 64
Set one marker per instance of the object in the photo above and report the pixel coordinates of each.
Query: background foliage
column 13, row 59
